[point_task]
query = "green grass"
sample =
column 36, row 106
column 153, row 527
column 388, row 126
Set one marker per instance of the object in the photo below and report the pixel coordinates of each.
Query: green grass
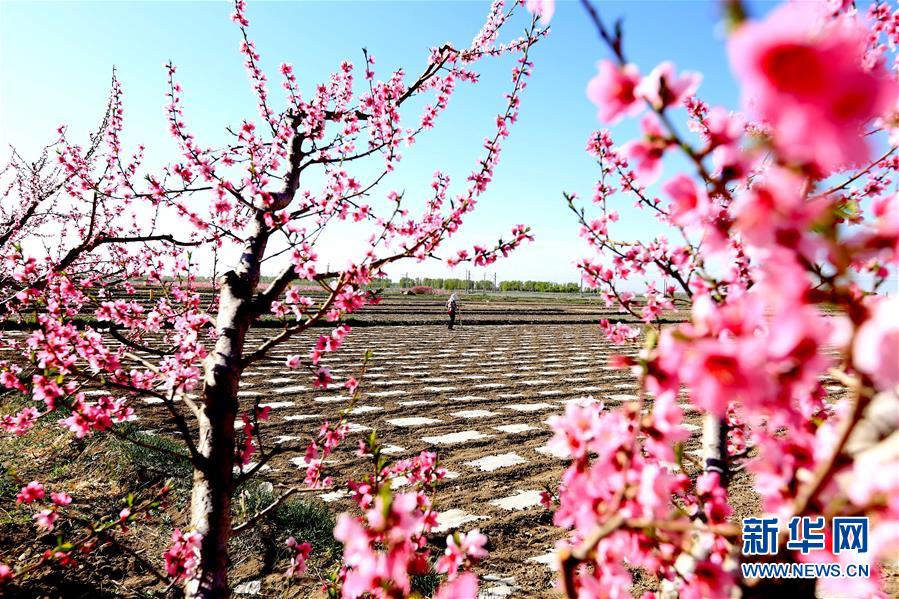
column 153, row 463
column 60, row 471
column 8, row 486
column 300, row 518
column 309, row 521
column 426, row 584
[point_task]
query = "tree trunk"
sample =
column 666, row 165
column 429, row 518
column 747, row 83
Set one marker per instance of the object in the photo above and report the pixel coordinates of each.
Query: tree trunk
column 213, row 476
column 211, row 493
column 714, row 446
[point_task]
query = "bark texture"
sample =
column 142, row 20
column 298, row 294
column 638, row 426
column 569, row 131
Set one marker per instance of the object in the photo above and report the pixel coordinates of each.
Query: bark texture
column 213, row 475
column 714, row 446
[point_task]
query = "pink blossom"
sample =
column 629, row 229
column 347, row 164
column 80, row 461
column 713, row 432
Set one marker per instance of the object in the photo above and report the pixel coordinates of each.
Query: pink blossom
column 464, row 586
column 421, row 470
column 612, row 90
column 647, row 152
column 803, row 74
column 46, row 390
column 299, row 554
column 182, row 557
column 262, row 413
column 20, row 423
column 730, row 163
column 862, row 488
column 718, row 372
column 574, row 431
column 653, row 495
column 461, row 547
column 543, row 9
column 357, row 555
column 886, row 209
column 6, row 573
column 61, row 498
column 689, row 201
column 323, row 378
column 722, row 128
column 875, row 350
column 618, row 333
column 713, row 497
column 10, row 378
column 775, row 208
column 708, row 579
column 663, row 87
column 30, row 492
column 46, row 518
column 667, row 427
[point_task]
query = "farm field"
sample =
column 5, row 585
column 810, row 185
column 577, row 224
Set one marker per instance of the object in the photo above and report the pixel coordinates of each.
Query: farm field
column 480, row 396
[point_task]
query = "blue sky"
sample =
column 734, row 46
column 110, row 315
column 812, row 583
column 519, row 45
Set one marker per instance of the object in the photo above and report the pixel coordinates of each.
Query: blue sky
column 56, row 60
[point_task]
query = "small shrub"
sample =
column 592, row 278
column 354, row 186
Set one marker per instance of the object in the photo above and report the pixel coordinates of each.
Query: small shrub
column 300, row 518
column 309, row 521
column 426, row 584
column 155, row 463
column 251, row 498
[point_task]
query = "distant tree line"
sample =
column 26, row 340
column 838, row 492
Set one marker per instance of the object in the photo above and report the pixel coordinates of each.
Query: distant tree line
column 540, row 286
column 447, row 284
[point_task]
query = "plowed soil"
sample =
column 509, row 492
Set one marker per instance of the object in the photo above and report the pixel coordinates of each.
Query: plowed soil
column 479, row 395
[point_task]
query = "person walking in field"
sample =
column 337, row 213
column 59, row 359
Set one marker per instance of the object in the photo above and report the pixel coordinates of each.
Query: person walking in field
column 452, row 306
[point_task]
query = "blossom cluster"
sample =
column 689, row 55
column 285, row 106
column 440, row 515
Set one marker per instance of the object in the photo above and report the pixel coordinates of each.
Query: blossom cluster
column 388, row 544
column 782, row 236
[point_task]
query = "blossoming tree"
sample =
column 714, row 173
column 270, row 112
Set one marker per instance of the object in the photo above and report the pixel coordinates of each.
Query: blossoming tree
column 781, row 238
column 86, row 228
